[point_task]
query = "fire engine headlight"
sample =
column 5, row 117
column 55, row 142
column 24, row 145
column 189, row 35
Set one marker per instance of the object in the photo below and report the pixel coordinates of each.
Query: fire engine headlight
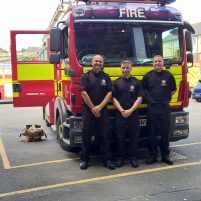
column 181, row 120
column 77, row 124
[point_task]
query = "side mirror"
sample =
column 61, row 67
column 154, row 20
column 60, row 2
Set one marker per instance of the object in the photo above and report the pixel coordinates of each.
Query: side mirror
column 55, row 40
column 54, row 58
column 190, row 58
column 189, row 45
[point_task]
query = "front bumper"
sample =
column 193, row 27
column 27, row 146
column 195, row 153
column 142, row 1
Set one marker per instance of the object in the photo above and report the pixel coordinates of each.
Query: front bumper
column 179, row 129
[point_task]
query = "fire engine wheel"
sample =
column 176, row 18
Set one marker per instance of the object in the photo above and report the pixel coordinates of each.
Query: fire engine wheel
column 60, row 136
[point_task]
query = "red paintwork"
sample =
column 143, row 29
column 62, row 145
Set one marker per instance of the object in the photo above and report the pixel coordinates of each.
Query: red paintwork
column 34, row 93
column 183, row 95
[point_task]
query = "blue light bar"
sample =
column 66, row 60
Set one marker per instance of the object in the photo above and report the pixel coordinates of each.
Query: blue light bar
column 161, row 2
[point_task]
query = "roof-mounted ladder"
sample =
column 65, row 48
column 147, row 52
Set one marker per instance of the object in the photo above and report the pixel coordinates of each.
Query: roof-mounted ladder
column 60, row 12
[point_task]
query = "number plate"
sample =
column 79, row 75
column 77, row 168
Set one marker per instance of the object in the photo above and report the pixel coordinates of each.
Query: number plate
column 197, row 95
column 143, row 122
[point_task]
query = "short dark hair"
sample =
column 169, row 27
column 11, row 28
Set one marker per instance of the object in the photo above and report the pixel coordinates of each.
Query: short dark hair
column 127, row 61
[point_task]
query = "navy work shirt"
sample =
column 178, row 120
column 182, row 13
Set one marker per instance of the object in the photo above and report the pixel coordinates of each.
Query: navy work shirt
column 97, row 85
column 126, row 91
column 159, row 86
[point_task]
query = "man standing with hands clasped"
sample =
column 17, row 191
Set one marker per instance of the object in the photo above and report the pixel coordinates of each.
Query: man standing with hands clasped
column 96, row 91
column 159, row 86
column 127, row 96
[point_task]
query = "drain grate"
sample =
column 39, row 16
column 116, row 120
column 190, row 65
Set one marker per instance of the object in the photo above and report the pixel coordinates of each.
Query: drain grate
column 176, row 156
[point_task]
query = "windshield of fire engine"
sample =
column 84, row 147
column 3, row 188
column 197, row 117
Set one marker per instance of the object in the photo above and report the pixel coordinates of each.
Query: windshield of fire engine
column 134, row 41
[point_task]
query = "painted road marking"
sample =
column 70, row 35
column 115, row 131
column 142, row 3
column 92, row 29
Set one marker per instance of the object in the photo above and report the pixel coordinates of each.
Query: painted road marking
column 95, row 179
column 4, row 157
column 189, row 144
column 6, row 163
column 43, row 163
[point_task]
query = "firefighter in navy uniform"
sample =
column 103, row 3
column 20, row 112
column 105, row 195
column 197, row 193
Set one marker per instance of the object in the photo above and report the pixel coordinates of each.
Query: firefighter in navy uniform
column 127, row 96
column 96, row 91
column 159, row 86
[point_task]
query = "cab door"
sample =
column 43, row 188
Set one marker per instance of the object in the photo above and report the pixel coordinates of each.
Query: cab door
column 32, row 75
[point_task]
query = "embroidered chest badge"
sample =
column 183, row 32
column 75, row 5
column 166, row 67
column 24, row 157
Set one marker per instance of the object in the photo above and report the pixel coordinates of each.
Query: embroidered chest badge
column 103, row 82
column 163, row 83
column 132, row 88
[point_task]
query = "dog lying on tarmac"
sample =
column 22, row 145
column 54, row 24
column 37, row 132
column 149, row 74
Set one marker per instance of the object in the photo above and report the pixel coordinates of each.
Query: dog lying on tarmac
column 33, row 133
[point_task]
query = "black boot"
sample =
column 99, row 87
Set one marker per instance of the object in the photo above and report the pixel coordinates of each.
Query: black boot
column 167, row 160
column 119, row 162
column 84, row 165
column 151, row 160
column 109, row 165
column 134, row 163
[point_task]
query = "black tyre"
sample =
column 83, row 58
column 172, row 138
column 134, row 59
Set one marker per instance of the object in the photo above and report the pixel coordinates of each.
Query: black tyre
column 61, row 134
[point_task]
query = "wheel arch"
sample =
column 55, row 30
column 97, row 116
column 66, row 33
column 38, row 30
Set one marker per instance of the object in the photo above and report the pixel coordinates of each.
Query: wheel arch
column 60, row 110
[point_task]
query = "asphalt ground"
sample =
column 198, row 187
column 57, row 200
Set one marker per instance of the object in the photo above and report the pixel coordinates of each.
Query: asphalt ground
column 43, row 171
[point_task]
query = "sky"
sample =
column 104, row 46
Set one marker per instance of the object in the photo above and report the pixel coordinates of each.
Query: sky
column 37, row 14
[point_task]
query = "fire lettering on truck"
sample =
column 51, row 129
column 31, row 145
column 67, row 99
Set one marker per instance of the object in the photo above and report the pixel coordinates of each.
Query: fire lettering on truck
column 130, row 13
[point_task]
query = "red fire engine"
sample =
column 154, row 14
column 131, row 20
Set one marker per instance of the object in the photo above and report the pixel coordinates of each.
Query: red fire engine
column 133, row 29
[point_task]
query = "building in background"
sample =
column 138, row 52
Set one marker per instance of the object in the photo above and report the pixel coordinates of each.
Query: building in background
column 194, row 73
column 5, row 82
column 196, row 39
column 6, row 90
